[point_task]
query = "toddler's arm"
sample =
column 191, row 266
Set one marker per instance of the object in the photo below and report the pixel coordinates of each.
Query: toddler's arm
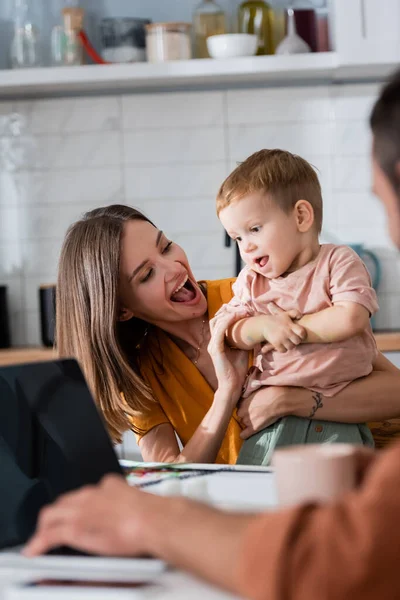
column 338, row 323
column 279, row 331
column 353, row 298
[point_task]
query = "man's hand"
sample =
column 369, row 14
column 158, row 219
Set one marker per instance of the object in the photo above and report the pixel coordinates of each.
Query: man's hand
column 280, row 330
column 105, row 519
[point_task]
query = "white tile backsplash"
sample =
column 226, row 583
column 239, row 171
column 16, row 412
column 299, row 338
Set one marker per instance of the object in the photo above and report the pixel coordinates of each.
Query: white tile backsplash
column 168, row 153
column 353, row 102
column 206, row 249
column 89, row 188
column 361, row 209
column 8, row 189
column 10, row 258
column 279, row 105
column 182, row 216
column 81, row 150
column 165, row 146
column 351, row 173
column 309, row 140
column 9, row 223
column 174, row 181
column 47, row 222
column 40, row 256
column 70, row 115
column 172, row 111
column 351, row 138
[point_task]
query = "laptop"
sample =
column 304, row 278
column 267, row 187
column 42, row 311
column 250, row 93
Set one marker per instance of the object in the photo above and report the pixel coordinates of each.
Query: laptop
column 52, row 441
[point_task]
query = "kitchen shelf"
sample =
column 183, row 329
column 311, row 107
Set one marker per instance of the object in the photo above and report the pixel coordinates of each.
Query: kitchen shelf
column 50, row 81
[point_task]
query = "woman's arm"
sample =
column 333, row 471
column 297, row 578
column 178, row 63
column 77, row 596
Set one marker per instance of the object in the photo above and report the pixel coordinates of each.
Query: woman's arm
column 160, row 444
column 372, row 398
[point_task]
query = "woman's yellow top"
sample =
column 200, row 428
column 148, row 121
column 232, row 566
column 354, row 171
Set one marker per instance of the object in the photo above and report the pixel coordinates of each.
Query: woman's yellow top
column 183, row 396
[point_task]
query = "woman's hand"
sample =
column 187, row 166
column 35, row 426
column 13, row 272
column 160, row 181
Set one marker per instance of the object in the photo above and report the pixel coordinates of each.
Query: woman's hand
column 230, row 364
column 93, row 521
column 263, row 408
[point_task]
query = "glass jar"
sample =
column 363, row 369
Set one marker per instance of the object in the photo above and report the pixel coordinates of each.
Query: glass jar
column 256, row 16
column 208, row 19
column 73, row 23
column 25, row 48
column 123, row 40
column 168, row 41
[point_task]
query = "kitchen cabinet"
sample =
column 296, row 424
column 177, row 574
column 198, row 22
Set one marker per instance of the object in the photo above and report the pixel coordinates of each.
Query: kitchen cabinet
column 366, row 32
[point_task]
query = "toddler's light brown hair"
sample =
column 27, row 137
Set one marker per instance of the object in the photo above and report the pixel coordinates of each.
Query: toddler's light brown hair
column 284, row 177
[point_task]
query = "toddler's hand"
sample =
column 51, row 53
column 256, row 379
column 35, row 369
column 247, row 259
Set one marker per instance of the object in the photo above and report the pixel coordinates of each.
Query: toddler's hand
column 280, row 331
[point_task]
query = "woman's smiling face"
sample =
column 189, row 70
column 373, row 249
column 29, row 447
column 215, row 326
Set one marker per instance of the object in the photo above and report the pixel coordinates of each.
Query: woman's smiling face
column 156, row 281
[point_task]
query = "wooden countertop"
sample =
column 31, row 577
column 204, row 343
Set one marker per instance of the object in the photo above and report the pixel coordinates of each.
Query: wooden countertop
column 13, row 356
column 386, row 341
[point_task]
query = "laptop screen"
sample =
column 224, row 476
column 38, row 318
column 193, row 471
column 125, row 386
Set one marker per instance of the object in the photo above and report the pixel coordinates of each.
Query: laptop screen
column 52, row 440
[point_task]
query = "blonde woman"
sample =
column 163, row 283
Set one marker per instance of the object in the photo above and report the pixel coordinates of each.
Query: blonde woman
column 130, row 310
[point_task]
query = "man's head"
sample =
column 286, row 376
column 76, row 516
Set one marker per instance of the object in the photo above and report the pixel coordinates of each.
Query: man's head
column 385, row 125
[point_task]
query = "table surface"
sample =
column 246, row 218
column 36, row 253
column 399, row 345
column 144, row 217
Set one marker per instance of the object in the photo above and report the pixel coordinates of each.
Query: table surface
column 231, row 490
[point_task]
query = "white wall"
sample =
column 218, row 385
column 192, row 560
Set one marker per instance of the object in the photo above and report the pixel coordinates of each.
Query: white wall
column 167, row 155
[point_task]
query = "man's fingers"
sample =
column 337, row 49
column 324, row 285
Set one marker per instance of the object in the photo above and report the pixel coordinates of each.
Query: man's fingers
column 62, row 534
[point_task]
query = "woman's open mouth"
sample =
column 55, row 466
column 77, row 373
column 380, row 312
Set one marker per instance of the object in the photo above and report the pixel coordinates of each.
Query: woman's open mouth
column 186, row 292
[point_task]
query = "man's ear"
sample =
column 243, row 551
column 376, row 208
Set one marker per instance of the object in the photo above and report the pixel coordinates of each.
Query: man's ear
column 304, row 214
column 124, row 314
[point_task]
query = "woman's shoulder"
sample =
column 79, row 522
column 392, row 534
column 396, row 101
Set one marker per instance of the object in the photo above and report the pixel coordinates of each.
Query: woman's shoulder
column 218, row 292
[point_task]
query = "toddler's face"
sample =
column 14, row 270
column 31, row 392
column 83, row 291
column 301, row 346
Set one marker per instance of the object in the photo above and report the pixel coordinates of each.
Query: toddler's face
column 268, row 238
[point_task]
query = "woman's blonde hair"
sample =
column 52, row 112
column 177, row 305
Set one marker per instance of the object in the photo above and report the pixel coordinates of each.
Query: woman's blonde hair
column 87, row 305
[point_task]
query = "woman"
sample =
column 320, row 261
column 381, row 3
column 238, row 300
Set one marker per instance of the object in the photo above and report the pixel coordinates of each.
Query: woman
column 130, row 310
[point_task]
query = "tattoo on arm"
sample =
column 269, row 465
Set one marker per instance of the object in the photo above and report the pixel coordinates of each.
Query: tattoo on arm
column 317, row 397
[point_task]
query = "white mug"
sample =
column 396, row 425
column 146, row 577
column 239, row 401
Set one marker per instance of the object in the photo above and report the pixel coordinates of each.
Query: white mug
column 314, row 472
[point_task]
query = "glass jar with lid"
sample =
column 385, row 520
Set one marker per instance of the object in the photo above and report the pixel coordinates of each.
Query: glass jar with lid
column 168, row 41
column 208, row 19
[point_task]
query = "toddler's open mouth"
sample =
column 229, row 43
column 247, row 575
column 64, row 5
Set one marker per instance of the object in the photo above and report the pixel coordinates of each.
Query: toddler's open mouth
column 261, row 261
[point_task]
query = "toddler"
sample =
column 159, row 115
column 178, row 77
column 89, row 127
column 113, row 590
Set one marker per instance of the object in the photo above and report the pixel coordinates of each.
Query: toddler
column 312, row 302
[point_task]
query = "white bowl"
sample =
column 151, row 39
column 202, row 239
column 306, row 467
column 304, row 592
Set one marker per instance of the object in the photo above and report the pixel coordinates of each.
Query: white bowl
column 229, row 45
